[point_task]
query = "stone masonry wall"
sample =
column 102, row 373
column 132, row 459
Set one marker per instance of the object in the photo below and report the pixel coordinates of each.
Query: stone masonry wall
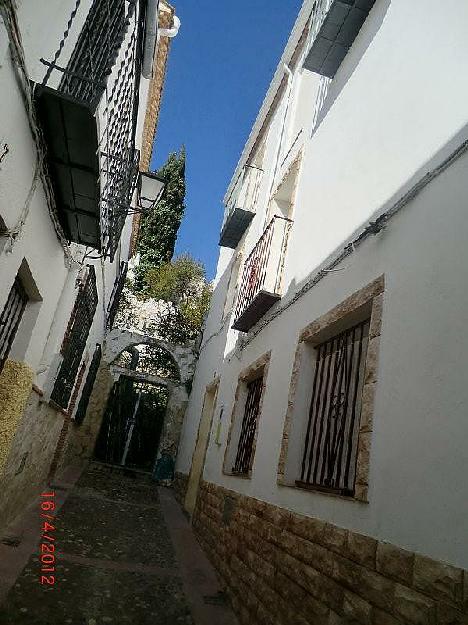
column 180, row 485
column 281, row 568
column 81, row 439
column 15, row 386
column 30, row 456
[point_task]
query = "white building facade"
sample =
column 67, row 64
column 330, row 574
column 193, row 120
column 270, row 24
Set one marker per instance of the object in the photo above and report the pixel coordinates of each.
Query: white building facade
column 76, row 125
column 324, row 449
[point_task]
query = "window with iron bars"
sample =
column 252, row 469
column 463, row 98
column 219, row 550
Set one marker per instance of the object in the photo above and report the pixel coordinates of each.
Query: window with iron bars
column 75, row 339
column 11, row 318
column 88, row 386
column 114, row 301
column 110, row 42
column 96, row 51
column 245, row 448
column 331, row 441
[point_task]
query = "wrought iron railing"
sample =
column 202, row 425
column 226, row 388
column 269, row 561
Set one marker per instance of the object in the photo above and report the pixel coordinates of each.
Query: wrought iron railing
column 245, row 448
column 88, row 386
column 331, row 441
column 246, row 190
column 95, row 52
column 263, row 267
column 75, row 339
column 104, row 72
column 11, row 318
column 116, row 293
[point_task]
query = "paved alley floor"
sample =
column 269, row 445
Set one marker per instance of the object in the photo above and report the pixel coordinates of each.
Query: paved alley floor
column 125, row 554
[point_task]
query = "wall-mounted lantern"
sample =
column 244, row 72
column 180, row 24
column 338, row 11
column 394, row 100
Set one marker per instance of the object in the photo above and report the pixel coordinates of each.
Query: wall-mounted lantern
column 150, row 190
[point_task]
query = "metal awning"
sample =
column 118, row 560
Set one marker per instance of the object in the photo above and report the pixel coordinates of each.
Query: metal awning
column 71, row 135
column 336, row 35
column 236, row 224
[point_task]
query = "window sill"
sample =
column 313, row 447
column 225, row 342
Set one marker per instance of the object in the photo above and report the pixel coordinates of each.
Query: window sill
column 328, row 492
column 242, row 476
column 58, row 408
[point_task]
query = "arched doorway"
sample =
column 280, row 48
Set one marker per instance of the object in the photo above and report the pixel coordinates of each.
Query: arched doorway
column 133, row 422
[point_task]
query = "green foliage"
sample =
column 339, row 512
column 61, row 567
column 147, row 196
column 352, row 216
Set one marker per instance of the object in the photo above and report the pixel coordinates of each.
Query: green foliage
column 158, row 228
column 178, row 290
column 177, row 280
column 182, row 284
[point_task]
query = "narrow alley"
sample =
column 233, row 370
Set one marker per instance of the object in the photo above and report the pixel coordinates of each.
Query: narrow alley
column 125, row 553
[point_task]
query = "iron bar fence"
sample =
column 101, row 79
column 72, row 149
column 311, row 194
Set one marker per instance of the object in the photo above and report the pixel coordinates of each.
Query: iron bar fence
column 11, row 318
column 263, row 267
column 244, row 456
column 332, row 434
column 75, row 339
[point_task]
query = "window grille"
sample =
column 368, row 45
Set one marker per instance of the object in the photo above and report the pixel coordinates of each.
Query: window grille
column 106, row 59
column 95, row 51
column 244, row 457
column 11, row 318
column 330, row 451
column 88, row 386
column 75, row 339
column 114, row 301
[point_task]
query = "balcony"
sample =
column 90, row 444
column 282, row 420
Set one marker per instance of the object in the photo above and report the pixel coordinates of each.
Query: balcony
column 335, row 27
column 260, row 286
column 241, row 206
column 89, row 138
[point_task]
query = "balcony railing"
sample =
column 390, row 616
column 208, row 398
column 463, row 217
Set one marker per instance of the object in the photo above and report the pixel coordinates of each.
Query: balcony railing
column 335, row 26
column 241, row 206
column 260, row 287
column 88, row 106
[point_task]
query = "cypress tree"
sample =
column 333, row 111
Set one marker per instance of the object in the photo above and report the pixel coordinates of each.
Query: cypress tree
column 158, row 228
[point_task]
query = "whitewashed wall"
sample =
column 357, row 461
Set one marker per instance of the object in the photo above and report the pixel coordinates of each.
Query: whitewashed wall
column 42, row 26
column 395, row 109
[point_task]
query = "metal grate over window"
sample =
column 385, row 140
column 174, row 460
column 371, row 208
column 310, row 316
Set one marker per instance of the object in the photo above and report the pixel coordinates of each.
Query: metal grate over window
column 116, row 293
column 244, row 457
column 330, row 451
column 96, row 51
column 88, row 386
column 75, row 339
column 104, row 68
column 11, row 318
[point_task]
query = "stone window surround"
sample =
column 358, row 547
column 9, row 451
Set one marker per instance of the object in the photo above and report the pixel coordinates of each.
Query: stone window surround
column 253, row 371
column 316, row 332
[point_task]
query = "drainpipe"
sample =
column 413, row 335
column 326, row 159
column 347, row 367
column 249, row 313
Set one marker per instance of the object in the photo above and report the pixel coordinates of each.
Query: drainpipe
column 151, row 36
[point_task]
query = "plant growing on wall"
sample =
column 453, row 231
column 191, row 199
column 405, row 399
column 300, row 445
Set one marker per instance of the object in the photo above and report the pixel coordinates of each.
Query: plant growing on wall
column 182, row 284
column 164, row 298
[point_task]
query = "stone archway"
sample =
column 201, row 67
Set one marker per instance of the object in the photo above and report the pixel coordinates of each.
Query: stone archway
column 121, row 346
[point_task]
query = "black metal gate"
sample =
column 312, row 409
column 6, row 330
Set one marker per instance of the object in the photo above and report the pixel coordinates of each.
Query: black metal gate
column 132, row 424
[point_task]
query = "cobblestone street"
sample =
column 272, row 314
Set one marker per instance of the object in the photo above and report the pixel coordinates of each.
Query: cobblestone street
column 125, row 555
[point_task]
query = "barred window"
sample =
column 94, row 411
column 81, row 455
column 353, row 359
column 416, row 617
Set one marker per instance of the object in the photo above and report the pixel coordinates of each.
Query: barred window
column 116, row 293
column 96, row 50
column 88, row 386
column 244, row 456
column 11, row 318
column 75, row 339
column 331, row 440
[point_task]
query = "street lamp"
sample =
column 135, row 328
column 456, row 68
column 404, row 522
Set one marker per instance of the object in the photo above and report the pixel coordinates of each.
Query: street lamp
column 150, row 190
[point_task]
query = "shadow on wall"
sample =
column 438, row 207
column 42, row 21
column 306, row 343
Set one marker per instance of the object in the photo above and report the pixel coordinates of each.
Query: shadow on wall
column 330, row 89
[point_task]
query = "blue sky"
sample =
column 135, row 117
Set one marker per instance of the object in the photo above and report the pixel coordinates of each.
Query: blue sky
column 220, row 66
